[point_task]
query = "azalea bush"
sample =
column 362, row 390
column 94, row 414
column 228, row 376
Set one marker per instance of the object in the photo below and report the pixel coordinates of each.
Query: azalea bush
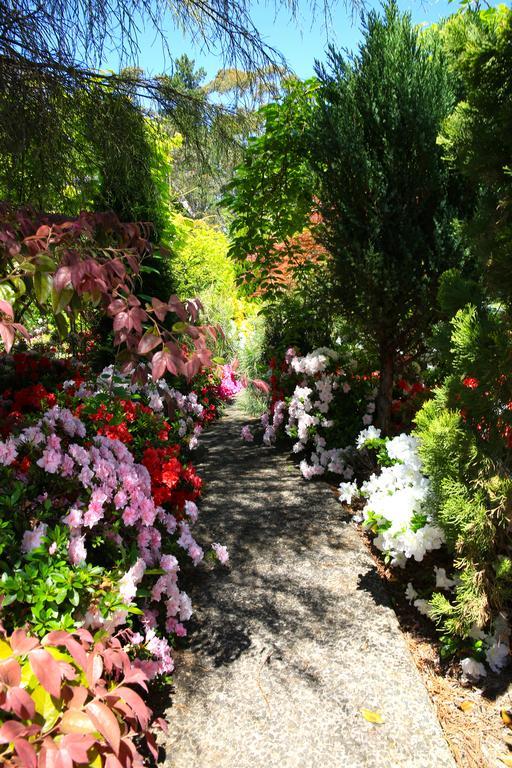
column 321, row 404
column 399, row 509
column 97, row 504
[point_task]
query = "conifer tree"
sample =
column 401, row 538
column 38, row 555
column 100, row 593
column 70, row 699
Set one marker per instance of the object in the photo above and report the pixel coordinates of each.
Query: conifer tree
column 386, row 197
column 466, row 431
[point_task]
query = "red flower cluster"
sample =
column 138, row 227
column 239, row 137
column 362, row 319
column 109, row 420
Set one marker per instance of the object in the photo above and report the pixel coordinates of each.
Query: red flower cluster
column 470, row 382
column 172, row 482
column 18, row 402
column 122, row 422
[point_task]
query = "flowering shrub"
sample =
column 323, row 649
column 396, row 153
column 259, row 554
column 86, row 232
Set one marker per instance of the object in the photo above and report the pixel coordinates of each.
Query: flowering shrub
column 71, row 700
column 229, row 385
column 95, row 258
column 318, row 404
column 98, row 500
column 398, row 510
column 396, row 499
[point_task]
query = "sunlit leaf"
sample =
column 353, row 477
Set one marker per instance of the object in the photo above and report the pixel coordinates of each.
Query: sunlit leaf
column 371, row 716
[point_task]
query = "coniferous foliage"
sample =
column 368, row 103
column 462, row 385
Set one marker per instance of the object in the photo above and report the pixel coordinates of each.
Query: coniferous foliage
column 477, row 136
column 466, row 430
column 386, row 197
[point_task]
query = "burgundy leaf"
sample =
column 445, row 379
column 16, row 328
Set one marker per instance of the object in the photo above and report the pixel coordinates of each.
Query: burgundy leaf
column 77, row 745
column 11, row 730
column 25, row 752
column 158, row 365
column 148, row 342
column 19, row 702
column 47, row 671
column 77, row 696
column 10, row 671
column 62, row 278
column 141, row 711
column 60, row 637
column 106, row 723
column 135, row 675
column 21, row 643
column 94, row 669
column 7, row 334
column 160, row 307
column 111, row 761
column 6, row 308
column 152, row 745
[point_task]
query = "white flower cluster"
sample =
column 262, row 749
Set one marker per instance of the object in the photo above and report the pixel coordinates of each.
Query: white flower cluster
column 306, row 415
column 395, row 502
column 497, row 650
column 313, row 363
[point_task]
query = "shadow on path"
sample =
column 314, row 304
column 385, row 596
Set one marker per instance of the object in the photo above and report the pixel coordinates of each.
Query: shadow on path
column 290, row 642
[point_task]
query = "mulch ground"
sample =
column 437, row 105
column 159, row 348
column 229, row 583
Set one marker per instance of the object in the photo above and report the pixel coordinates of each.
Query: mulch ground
column 472, row 717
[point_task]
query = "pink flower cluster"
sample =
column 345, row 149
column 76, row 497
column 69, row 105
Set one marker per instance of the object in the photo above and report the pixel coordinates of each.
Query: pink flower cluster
column 229, row 385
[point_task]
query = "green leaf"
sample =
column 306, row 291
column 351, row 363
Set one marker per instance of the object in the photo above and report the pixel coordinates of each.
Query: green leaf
column 62, row 325
column 42, row 286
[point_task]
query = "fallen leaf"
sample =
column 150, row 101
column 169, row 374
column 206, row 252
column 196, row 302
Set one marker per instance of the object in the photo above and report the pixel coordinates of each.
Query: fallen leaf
column 507, row 759
column 506, row 716
column 372, row 717
column 467, row 705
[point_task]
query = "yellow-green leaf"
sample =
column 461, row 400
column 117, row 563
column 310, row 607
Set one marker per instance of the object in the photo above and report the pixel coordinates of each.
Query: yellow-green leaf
column 62, row 299
column 45, row 263
column 180, row 327
column 45, row 707
column 19, row 286
column 7, row 293
column 372, row 717
column 5, row 650
column 506, row 716
column 77, row 721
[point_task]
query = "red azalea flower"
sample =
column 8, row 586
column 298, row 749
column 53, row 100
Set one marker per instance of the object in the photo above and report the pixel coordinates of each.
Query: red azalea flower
column 470, row 382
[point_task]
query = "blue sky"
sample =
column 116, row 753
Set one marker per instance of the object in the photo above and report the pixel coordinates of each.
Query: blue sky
column 301, row 40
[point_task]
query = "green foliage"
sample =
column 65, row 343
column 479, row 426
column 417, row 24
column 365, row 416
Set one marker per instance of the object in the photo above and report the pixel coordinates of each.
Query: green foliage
column 271, row 194
column 386, row 196
column 476, row 137
column 201, row 267
column 466, row 452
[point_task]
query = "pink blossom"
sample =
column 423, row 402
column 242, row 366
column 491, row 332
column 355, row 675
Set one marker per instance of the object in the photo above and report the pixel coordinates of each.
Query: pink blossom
column 73, row 518
column 169, row 564
column 77, row 552
column 8, row 451
column 185, row 607
column 221, row 552
column 246, row 434
column 130, row 516
column 191, row 510
column 68, row 466
column 50, row 460
column 33, row 539
column 196, row 553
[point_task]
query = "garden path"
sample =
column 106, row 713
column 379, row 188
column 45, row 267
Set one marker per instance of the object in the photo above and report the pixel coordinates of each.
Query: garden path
column 295, row 637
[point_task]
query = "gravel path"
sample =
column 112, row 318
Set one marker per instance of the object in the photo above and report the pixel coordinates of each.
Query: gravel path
column 295, row 637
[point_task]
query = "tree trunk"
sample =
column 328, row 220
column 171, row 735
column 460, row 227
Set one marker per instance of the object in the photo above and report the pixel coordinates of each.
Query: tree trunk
column 385, row 393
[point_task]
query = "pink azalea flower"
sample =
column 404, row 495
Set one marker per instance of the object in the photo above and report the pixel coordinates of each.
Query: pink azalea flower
column 221, row 552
